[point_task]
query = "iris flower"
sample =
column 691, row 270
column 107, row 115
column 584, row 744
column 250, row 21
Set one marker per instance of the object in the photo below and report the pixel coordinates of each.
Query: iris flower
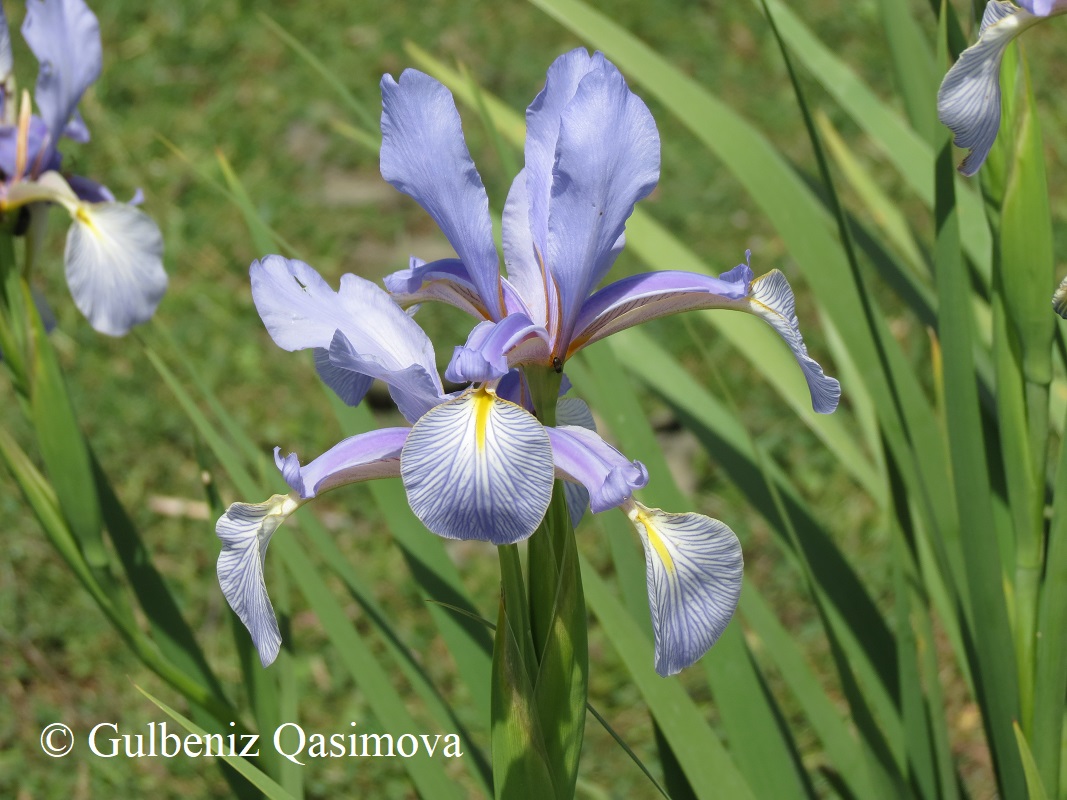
column 114, row 251
column 476, row 464
column 968, row 102
column 592, row 151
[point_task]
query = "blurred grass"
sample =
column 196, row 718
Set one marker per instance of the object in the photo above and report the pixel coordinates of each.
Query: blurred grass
column 209, row 76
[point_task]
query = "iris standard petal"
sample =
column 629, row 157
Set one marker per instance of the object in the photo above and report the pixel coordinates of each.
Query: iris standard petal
column 607, row 160
column 640, row 298
column 425, row 156
column 574, row 411
column 542, row 136
column 363, row 457
column 525, row 267
column 245, row 530
column 968, row 102
column 114, row 265
column 7, row 63
column 65, row 37
column 350, row 386
column 581, row 456
column 478, row 467
column 494, row 347
column 693, row 569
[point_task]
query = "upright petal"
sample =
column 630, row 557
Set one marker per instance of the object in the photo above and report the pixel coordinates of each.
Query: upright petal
column 425, row 156
column 968, row 102
column 245, row 530
column 524, row 262
column 639, row 298
column 363, row 457
column 65, row 37
column 478, row 467
column 114, row 265
column 693, row 568
column 607, row 159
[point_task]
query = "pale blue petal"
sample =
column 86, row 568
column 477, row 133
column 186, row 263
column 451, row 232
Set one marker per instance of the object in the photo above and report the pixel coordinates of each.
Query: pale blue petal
column 363, row 457
column 65, row 37
column 968, row 102
column 693, row 571
column 7, row 63
column 415, row 389
column 350, row 386
column 245, row 530
column 494, row 347
column 478, row 467
column 525, row 268
column 1044, row 8
column 581, row 456
column 445, row 281
column 1059, row 299
column 425, row 156
column 300, row 310
column 574, row 411
column 607, row 159
column 114, row 265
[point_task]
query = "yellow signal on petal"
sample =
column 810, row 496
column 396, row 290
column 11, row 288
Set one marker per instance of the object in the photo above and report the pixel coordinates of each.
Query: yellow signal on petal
column 640, row 517
column 483, row 406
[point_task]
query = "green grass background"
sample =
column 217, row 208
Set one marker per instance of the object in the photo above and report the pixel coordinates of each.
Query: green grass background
column 209, row 76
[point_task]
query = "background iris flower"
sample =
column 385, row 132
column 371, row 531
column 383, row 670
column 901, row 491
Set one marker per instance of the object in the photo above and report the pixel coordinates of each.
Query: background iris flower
column 475, row 465
column 968, row 102
column 114, row 251
column 592, row 151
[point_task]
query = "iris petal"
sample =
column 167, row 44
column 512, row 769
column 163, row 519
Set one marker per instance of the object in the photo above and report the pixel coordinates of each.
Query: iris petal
column 245, row 530
column 65, row 37
column 693, row 570
column 581, row 456
column 968, row 102
column 494, row 347
column 425, row 156
column 478, row 467
column 114, row 265
column 1059, row 299
column 574, row 411
column 363, row 457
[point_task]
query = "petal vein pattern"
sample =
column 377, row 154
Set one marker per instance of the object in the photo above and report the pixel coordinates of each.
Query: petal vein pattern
column 478, row 467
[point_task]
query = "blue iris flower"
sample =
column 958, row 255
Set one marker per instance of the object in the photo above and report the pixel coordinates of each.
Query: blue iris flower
column 477, row 464
column 968, row 102
column 114, row 251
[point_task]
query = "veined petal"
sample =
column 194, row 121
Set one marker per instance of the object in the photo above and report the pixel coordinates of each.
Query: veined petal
column 300, row 310
column 1059, row 299
column 114, row 265
column 478, row 467
column 525, row 268
column 693, row 569
column 581, row 456
column 607, row 158
column 245, row 530
column 65, row 37
column 968, row 102
column 7, row 63
column 494, row 347
column 425, row 156
column 643, row 297
column 363, row 457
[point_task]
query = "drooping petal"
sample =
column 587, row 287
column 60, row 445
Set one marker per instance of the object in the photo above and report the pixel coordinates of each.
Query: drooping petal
column 1059, row 299
column 607, row 160
column 245, row 530
column 494, row 347
column 300, row 310
column 363, row 457
column 581, row 456
column 65, row 37
column 968, row 102
column 89, row 190
column 425, row 156
column 640, row 298
column 114, row 265
column 478, row 467
column 693, row 570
